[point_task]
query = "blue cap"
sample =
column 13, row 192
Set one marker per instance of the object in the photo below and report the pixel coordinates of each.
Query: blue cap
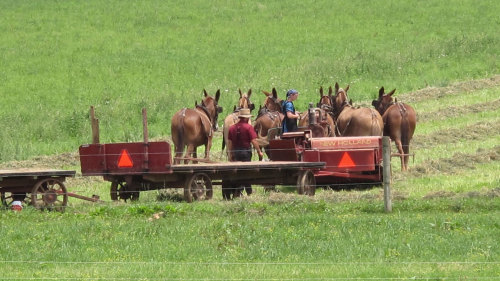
column 291, row 92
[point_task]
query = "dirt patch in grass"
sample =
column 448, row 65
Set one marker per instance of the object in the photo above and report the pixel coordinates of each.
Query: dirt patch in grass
column 455, row 88
column 456, row 111
column 458, row 162
column 491, row 193
column 59, row 161
column 477, row 131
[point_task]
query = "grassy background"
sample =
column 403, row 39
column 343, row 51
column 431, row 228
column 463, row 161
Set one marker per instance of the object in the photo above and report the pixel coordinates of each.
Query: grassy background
column 59, row 57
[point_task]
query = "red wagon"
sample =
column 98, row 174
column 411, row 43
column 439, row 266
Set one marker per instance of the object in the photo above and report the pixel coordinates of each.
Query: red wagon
column 41, row 188
column 297, row 159
column 348, row 159
column 140, row 166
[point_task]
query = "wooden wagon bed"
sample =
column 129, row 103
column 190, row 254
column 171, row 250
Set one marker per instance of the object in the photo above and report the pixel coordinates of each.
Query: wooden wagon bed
column 45, row 186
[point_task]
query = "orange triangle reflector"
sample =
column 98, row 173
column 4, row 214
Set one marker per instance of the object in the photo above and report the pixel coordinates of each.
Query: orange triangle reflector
column 125, row 161
column 346, row 161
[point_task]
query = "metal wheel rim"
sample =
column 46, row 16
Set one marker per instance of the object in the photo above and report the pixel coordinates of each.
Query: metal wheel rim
column 306, row 183
column 198, row 187
column 47, row 194
column 119, row 190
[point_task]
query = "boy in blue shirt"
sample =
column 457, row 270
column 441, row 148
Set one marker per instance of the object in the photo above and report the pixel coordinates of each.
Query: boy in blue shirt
column 291, row 117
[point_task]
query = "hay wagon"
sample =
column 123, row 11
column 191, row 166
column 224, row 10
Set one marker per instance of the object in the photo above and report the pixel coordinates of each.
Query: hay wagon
column 296, row 159
column 41, row 188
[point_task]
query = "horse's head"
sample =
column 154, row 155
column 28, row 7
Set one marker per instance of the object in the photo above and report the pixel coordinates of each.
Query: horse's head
column 244, row 101
column 210, row 104
column 325, row 100
column 340, row 99
column 272, row 102
column 384, row 100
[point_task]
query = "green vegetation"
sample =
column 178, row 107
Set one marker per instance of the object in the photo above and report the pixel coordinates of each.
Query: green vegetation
column 59, row 57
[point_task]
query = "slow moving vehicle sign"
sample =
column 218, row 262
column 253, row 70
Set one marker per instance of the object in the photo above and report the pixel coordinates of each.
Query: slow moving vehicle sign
column 125, row 161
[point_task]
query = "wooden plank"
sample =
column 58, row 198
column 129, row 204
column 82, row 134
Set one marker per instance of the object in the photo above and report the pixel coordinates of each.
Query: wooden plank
column 26, row 172
column 235, row 166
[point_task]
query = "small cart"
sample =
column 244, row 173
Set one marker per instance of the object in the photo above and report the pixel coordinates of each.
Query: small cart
column 45, row 187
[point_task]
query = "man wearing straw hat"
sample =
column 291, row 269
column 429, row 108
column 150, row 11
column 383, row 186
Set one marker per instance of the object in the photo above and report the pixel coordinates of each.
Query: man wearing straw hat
column 242, row 136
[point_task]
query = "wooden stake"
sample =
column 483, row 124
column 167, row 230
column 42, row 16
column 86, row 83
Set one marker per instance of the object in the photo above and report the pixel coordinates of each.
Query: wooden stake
column 386, row 151
column 95, row 126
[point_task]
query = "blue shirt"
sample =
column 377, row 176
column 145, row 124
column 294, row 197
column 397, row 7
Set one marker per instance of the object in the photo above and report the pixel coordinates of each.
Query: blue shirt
column 286, row 126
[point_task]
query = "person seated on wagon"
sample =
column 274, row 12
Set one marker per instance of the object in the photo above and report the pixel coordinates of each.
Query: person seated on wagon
column 291, row 117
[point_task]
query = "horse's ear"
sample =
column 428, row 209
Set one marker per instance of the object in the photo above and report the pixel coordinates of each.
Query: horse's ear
column 330, row 91
column 275, row 93
column 321, row 92
column 391, row 92
column 205, row 93
column 381, row 91
column 266, row 93
column 336, row 87
column 195, row 103
column 239, row 90
column 217, row 95
column 234, row 108
column 249, row 93
column 346, row 89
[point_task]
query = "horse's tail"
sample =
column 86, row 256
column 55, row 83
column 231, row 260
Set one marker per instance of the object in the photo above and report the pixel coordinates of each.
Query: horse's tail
column 223, row 142
column 179, row 142
column 376, row 129
column 405, row 131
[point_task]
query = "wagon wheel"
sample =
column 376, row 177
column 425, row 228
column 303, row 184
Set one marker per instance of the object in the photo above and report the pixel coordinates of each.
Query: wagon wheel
column 7, row 198
column 121, row 190
column 49, row 194
column 198, row 186
column 306, row 183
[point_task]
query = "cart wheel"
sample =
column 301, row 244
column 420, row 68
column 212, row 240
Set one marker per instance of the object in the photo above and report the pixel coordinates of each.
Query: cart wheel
column 306, row 183
column 198, row 187
column 121, row 190
column 49, row 194
column 7, row 198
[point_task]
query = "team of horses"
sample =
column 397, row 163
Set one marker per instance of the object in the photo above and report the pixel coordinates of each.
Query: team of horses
column 334, row 114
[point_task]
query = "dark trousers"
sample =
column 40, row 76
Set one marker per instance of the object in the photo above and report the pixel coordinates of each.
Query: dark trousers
column 244, row 155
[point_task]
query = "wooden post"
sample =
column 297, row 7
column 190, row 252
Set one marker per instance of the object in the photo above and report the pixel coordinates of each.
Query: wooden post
column 95, row 126
column 145, row 125
column 145, row 165
column 386, row 151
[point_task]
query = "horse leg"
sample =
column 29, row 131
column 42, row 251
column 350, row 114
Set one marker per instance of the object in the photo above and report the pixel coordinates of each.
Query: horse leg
column 189, row 152
column 208, row 145
column 401, row 152
column 195, row 155
column 406, row 149
column 178, row 155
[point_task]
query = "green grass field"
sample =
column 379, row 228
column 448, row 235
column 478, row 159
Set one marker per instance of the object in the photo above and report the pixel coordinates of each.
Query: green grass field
column 57, row 58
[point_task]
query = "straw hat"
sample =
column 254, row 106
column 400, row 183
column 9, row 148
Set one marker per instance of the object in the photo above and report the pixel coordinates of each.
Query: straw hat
column 244, row 113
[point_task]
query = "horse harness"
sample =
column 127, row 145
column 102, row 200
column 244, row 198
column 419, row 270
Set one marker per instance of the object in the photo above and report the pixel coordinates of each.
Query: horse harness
column 401, row 107
column 202, row 118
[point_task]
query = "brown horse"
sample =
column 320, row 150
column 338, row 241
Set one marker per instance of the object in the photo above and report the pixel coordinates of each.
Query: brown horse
column 269, row 117
column 399, row 123
column 324, row 116
column 352, row 121
column 231, row 119
column 195, row 127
